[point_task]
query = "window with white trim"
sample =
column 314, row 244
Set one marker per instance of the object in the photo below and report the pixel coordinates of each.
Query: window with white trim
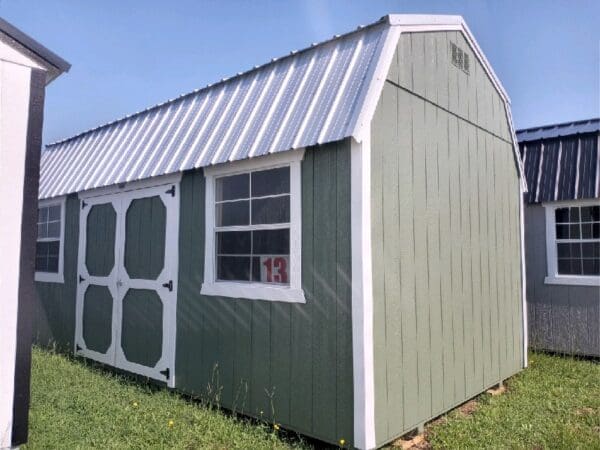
column 573, row 234
column 253, row 229
column 49, row 244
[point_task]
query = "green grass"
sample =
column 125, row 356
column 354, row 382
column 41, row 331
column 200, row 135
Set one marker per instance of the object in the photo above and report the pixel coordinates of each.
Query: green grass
column 74, row 405
column 554, row 404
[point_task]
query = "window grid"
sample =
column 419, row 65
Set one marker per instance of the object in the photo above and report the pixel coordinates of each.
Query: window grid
column 48, row 245
column 572, row 257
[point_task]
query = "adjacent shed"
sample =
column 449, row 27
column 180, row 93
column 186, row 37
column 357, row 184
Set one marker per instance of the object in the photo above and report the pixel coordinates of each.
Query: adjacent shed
column 562, row 236
column 330, row 241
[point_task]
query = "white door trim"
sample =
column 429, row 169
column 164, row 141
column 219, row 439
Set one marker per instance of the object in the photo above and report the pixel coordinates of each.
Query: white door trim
column 121, row 199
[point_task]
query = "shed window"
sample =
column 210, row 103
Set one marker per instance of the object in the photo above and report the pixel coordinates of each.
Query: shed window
column 50, row 232
column 573, row 233
column 253, row 229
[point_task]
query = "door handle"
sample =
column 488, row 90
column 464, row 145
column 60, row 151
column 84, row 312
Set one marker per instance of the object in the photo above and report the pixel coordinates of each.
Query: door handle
column 169, row 285
column 119, row 283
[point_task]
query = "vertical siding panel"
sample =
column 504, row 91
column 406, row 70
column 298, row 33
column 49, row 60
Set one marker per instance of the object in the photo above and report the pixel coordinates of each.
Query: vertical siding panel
column 430, row 68
column 455, row 206
column 467, row 278
column 260, row 386
column 442, row 67
column 421, row 275
column 301, row 409
column 476, row 262
column 453, row 90
column 447, row 299
column 433, row 259
column 242, row 368
column 463, row 87
column 407, row 260
column 484, row 252
column 345, row 405
column 391, row 259
column 324, row 347
column 405, row 70
column 226, row 324
column 418, row 63
column 280, row 361
column 377, row 238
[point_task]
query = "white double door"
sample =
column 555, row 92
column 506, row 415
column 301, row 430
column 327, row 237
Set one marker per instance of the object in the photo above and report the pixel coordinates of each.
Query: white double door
column 127, row 280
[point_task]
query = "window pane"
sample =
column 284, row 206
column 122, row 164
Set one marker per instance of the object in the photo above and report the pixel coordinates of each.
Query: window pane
column 233, row 187
column 42, row 230
column 53, row 248
column 232, row 213
column 569, row 266
column 563, row 250
column 271, row 210
column 42, row 215
column 596, row 231
column 588, row 249
column 54, row 229
column 575, row 250
column 271, row 182
column 574, row 214
column 595, row 249
column 586, row 213
column 54, row 212
column 574, row 233
column 562, row 231
column 41, row 249
column 595, row 213
column 271, row 242
column 591, row 266
column 561, row 215
column 52, row 264
column 234, row 242
column 235, row 268
column 41, row 264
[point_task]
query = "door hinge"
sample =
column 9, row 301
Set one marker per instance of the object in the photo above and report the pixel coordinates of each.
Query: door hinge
column 171, row 191
column 81, row 278
column 169, row 285
column 83, row 204
column 166, row 373
column 78, row 348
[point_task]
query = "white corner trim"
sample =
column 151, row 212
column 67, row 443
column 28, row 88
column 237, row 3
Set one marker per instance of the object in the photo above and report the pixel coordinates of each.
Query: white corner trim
column 58, row 277
column 525, row 323
column 362, row 295
column 252, row 290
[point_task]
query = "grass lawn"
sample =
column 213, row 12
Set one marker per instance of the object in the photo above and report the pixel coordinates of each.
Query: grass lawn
column 553, row 404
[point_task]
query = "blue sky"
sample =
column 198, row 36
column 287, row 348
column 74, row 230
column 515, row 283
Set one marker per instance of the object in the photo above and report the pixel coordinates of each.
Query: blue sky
column 128, row 55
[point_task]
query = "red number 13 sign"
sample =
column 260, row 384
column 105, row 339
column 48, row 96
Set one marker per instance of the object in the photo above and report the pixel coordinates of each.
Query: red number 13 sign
column 274, row 269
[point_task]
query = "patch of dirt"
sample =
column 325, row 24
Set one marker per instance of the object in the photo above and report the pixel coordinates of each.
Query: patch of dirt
column 586, row 411
column 466, row 409
column 416, row 443
column 496, row 391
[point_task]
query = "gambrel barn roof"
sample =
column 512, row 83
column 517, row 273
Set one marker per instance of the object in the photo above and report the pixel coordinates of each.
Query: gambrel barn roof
column 320, row 94
column 561, row 161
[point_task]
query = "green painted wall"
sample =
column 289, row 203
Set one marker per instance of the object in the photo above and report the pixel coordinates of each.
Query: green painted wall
column 445, row 234
column 291, row 363
column 54, row 321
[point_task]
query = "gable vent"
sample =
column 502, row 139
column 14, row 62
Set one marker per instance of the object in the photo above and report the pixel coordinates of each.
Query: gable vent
column 460, row 58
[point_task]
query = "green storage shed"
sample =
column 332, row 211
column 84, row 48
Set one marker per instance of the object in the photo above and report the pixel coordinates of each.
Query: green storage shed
column 332, row 240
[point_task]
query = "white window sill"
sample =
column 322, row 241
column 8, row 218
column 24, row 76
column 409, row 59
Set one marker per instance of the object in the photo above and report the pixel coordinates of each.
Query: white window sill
column 573, row 280
column 49, row 277
column 253, row 291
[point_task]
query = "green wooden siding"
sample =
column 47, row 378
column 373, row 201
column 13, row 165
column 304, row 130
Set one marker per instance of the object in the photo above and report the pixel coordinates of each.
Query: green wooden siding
column 291, row 363
column 54, row 319
column 445, row 236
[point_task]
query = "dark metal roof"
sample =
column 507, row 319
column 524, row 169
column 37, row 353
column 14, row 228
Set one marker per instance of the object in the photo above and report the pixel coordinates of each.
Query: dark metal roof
column 558, row 129
column 562, row 162
column 34, row 46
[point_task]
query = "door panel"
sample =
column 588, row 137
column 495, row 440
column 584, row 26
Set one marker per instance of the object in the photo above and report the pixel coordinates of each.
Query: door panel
column 142, row 330
column 97, row 318
column 126, row 296
column 100, row 230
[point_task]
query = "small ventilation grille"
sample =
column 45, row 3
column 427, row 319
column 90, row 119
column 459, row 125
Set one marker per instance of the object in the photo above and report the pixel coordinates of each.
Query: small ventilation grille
column 460, row 58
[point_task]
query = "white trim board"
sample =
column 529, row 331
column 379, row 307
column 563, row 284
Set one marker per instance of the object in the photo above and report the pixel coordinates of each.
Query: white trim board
column 58, row 277
column 362, row 295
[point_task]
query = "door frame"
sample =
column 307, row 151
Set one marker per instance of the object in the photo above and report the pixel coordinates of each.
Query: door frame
column 125, row 194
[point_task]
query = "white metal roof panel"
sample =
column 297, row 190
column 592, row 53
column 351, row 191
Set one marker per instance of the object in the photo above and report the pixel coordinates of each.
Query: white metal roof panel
column 306, row 98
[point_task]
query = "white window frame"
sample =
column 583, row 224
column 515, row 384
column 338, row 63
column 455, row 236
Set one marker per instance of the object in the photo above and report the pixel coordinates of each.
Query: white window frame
column 291, row 293
column 55, row 277
column 553, row 277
